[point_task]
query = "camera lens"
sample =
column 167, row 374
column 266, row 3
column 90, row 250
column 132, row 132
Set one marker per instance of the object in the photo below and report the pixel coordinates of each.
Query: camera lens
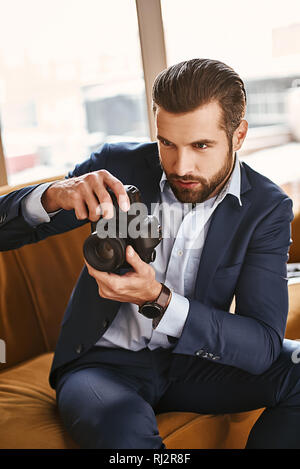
column 106, row 255
column 105, row 251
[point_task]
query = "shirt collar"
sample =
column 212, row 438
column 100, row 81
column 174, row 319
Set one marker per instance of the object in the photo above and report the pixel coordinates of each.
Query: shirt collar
column 233, row 185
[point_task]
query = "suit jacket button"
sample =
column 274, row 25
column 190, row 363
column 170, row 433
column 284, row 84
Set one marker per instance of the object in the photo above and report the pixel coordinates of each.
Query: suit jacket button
column 105, row 323
column 79, row 348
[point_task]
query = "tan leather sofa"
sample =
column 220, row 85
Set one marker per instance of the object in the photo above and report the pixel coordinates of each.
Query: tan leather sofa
column 35, row 284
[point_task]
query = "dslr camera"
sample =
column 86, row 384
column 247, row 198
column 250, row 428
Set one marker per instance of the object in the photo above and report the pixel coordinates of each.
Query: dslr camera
column 105, row 248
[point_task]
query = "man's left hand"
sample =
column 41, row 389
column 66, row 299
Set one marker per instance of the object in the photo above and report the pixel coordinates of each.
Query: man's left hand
column 137, row 286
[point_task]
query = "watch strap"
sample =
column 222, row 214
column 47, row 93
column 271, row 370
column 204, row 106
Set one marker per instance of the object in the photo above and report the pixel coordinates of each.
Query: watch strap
column 163, row 298
column 165, row 295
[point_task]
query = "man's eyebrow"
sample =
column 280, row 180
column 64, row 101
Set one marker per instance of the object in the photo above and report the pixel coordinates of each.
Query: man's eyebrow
column 201, row 140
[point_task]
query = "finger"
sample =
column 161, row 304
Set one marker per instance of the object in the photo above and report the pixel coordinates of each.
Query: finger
column 80, row 209
column 99, row 274
column 91, row 204
column 91, row 269
column 119, row 190
column 134, row 260
column 97, row 197
column 82, row 198
column 98, row 181
column 105, row 204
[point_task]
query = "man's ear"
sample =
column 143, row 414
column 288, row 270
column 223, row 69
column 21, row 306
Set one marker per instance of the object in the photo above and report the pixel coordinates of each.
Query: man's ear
column 239, row 135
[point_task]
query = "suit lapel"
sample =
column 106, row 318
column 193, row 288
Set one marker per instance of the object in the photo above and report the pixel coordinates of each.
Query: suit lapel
column 148, row 179
column 224, row 223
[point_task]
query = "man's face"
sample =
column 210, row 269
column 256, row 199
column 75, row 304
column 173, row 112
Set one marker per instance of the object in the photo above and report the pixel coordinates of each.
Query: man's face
column 193, row 148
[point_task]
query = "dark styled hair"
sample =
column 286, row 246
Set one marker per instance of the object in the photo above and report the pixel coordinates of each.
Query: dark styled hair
column 185, row 86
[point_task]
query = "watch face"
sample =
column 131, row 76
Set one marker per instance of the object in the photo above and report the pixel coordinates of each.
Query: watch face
column 150, row 311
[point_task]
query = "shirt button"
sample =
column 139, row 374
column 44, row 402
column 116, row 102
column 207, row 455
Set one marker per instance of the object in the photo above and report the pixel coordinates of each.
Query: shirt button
column 180, row 252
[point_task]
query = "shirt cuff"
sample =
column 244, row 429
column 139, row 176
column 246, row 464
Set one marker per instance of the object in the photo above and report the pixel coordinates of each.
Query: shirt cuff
column 32, row 209
column 174, row 318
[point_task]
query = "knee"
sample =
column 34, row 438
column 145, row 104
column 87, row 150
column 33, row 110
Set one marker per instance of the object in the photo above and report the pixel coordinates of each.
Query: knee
column 127, row 425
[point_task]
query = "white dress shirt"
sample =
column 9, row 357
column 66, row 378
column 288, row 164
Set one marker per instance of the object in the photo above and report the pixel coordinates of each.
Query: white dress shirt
column 176, row 263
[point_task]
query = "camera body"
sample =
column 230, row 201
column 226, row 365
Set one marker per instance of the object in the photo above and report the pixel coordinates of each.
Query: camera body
column 105, row 248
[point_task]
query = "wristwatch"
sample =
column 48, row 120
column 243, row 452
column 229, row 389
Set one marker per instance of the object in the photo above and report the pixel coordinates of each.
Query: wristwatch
column 156, row 308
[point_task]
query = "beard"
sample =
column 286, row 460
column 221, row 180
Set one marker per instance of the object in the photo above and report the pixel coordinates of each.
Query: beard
column 207, row 187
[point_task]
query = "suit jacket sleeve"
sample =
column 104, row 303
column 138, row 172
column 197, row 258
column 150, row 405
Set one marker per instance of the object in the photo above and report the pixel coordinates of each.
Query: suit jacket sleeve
column 15, row 231
column 250, row 339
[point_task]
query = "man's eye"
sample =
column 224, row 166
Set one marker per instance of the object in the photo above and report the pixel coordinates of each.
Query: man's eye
column 201, row 146
column 165, row 143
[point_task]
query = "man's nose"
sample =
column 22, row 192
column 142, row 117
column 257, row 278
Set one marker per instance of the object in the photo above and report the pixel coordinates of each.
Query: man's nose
column 183, row 163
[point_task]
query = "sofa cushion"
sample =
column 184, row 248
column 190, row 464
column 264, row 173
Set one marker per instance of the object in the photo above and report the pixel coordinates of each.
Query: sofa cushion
column 30, row 420
column 185, row 430
column 29, row 417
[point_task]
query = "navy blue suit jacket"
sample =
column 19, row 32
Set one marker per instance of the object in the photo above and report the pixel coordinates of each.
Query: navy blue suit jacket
column 245, row 255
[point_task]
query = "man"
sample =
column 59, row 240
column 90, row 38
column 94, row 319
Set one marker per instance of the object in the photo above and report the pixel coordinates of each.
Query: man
column 114, row 368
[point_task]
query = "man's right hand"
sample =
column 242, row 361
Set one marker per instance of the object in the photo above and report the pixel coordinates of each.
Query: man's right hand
column 87, row 195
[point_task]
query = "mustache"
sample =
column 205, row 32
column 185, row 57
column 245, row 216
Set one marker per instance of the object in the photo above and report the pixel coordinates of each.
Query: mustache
column 185, row 178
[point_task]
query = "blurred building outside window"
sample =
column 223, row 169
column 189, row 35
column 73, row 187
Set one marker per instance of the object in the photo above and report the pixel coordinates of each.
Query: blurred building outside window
column 71, row 78
column 261, row 41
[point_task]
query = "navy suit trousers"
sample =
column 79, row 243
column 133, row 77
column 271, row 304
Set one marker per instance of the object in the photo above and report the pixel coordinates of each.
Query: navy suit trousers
column 108, row 398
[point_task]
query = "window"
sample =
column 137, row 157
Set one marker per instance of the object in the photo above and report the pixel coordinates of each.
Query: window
column 260, row 40
column 70, row 78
